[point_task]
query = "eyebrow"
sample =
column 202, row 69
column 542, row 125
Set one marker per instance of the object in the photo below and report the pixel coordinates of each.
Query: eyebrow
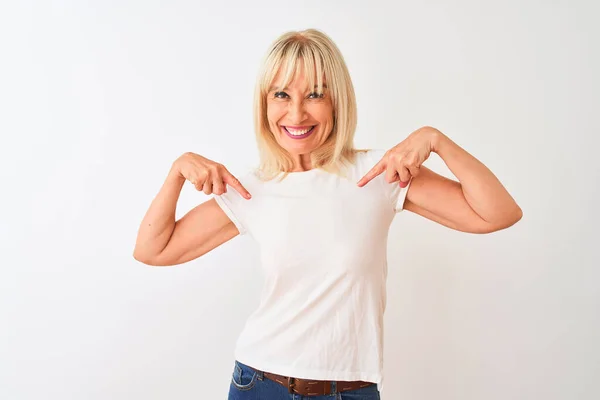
column 285, row 88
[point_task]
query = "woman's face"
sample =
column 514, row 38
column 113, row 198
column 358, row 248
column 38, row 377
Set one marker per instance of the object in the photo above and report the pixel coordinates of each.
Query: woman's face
column 300, row 119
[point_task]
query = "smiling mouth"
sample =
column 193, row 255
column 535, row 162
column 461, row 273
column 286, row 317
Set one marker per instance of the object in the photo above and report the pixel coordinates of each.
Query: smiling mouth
column 298, row 133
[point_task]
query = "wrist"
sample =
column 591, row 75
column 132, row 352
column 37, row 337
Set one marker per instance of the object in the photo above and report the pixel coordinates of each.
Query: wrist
column 175, row 176
column 436, row 139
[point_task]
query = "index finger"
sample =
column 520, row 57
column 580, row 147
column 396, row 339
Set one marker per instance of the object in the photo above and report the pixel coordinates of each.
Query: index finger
column 232, row 181
column 376, row 170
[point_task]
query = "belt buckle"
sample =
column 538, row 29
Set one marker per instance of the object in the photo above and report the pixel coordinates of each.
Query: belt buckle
column 291, row 384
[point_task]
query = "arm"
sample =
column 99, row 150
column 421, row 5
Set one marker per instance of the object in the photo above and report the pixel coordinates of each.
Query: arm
column 478, row 203
column 163, row 241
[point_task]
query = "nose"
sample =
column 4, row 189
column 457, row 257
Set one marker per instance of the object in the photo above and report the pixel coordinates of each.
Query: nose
column 296, row 112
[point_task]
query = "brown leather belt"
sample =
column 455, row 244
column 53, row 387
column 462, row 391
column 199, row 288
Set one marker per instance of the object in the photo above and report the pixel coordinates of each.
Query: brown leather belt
column 311, row 387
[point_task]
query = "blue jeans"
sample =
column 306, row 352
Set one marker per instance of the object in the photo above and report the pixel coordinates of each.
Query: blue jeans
column 249, row 384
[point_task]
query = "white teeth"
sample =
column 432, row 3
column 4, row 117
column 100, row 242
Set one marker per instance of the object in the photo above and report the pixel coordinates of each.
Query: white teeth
column 296, row 132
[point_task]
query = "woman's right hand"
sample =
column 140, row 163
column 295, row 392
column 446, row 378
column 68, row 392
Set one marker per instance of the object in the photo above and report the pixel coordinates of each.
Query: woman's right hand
column 207, row 176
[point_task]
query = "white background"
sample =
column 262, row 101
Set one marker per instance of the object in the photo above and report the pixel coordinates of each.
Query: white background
column 98, row 98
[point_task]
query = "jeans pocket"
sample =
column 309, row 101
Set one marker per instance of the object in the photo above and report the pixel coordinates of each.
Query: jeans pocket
column 243, row 377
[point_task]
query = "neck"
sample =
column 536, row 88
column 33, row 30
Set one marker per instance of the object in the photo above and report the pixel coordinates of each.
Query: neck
column 301, row 163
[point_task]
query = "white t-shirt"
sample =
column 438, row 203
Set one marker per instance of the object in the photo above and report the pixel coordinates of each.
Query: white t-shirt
column 323, row 247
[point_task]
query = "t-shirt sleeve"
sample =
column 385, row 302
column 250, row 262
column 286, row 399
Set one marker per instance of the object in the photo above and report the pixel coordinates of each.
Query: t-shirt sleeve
column 395, row 194
column 236, row 207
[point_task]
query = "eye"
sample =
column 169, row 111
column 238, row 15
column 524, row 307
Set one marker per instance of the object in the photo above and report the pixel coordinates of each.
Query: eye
column 315, row 95
column 280, row 95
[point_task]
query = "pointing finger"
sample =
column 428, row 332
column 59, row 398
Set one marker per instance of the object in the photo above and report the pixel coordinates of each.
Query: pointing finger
column 232, row 181
column 376, row 170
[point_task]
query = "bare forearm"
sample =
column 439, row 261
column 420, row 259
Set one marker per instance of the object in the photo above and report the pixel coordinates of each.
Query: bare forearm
column 158, row 223
column 482, row 190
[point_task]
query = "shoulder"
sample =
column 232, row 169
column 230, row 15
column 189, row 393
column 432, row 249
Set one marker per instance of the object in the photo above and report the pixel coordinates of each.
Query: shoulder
column 248, row 178
column 366, row 159
column 248, row 175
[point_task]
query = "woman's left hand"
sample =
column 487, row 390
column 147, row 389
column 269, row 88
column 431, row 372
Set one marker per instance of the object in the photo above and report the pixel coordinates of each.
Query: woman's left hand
column 403, row 161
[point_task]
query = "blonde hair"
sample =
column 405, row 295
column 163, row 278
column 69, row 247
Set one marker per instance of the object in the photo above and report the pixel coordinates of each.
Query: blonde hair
column 320, row 57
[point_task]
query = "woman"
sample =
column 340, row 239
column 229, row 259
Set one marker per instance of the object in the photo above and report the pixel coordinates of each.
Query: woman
column 320, row 211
